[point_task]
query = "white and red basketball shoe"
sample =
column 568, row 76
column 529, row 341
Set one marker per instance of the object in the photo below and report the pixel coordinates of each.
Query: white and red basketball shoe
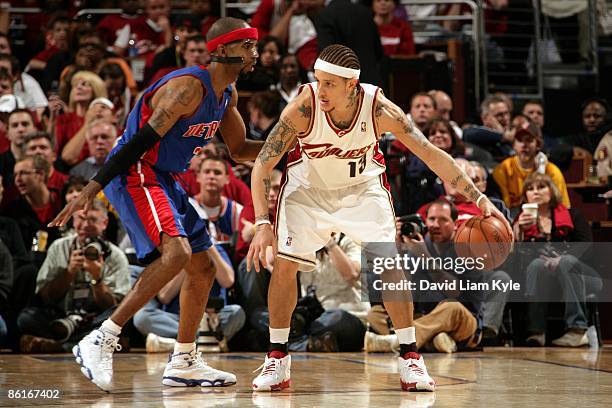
column 275, row 373
column 413, row 373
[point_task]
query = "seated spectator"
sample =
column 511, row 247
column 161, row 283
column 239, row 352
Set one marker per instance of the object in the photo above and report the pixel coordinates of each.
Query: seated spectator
column 534, row 110
column 553, row 266
column 290, row 22
column 112, row 24
column 81, row 280
column 40, row 143
column 147, row 34
column 496, row 134
column 193, row 53
column 118, row 92
column 267, row 70
column 510, row 174
column 221, row 212
column 172, row 56
column 101, row 136
column 395, row 33
column 158, row 320
column 90, row 56
column 422, row 110
column 264, row 111
column 421, row 185
column 602, row 156
column 67, row 120
column 57, row 39
column 36, row 206
column 456, row 316
column 444, row 107
column 99, row 109
column 596, row 123
column 25, row 87
column 20, row 123
column 291, row 78
column 236, row 189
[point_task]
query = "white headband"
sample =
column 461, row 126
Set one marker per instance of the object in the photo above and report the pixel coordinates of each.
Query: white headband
column 336, row 69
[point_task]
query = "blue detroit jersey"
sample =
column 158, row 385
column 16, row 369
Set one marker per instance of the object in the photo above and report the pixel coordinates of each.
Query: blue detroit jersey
column 188, row 135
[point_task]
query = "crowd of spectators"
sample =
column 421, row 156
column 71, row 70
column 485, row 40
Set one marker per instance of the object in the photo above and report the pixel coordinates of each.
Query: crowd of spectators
column 62, row 113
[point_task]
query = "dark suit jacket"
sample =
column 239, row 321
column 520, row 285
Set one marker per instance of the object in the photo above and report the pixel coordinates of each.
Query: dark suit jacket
column 352, row 25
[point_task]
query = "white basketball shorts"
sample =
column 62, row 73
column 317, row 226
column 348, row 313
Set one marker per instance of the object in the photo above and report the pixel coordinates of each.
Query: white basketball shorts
column 306, row 217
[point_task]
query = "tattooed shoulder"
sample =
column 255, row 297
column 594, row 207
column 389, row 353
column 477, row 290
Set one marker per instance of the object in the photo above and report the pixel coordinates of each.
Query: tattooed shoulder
column 305, row 110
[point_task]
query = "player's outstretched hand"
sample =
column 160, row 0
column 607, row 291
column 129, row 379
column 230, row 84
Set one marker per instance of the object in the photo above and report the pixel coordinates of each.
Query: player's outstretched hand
column 488, row 210
column 82, row 202
column 264, row 237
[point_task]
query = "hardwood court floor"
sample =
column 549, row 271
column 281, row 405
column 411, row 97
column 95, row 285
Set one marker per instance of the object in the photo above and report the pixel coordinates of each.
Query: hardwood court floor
column 497, row 377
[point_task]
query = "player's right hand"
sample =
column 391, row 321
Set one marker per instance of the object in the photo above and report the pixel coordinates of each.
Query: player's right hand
column 82, row 202
column 264, row 237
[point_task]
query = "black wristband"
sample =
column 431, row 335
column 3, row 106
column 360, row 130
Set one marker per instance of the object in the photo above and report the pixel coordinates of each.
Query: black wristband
column 129, row 154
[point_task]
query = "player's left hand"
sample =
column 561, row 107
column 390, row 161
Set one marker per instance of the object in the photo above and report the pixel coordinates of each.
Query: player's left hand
column 264, row 238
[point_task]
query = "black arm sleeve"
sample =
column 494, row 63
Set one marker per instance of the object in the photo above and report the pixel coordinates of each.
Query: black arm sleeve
column 129, row 154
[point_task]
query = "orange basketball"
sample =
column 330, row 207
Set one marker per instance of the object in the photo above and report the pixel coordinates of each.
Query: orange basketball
column 485, row 238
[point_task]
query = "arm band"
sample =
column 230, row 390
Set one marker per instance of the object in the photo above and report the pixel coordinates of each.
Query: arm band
column 129, row 154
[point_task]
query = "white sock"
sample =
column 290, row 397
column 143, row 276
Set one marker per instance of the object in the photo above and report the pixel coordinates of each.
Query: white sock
column 280, row 336
column 183, row 347
column 406, row 335
column 111, row 327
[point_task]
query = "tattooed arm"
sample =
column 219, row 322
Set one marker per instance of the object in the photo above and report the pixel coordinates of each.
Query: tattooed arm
column 178, row 98
column 390, row 118
column 234, row 133
column 294, row 120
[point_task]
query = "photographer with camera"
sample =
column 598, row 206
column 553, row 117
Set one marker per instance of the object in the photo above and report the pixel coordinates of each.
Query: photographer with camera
column 454, row 317
column 82, row 278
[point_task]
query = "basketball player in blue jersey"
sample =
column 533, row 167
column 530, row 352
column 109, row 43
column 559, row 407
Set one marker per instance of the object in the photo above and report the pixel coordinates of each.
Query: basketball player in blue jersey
column 335, row 182
column 171, row 122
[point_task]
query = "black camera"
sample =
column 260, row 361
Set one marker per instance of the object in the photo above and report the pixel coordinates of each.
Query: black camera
column 411, row 225
column 94, row 247
column 307, row 310
column 63, row 329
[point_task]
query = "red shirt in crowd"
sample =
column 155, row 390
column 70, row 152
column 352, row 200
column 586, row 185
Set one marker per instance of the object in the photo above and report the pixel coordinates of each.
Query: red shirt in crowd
column 465, row 210
column 66, row 126
column 396, row 37
column 46, row 54
column 235, row 190
column 56, row 182
column 262, row 21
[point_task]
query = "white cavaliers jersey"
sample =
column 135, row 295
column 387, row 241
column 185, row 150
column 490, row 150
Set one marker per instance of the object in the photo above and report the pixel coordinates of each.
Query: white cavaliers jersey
column 329, row 158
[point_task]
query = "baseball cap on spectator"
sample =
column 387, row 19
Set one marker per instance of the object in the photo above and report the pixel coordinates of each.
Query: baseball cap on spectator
column 104, row 101
column 9, row 103
column 529, row 130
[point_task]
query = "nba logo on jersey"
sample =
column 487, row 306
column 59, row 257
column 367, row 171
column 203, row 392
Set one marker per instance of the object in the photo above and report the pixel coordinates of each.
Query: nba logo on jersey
column 205, row 130
column 288, row 243
column 363, row 126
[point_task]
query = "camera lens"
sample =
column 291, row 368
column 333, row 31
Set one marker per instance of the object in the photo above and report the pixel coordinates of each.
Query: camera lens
column 92, row 251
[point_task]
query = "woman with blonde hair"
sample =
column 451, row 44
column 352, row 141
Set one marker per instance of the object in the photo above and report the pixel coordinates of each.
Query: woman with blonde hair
column 553, row 264
column 66, row 120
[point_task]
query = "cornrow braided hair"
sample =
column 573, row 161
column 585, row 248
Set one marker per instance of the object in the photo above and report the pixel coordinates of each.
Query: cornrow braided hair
column 340, row 55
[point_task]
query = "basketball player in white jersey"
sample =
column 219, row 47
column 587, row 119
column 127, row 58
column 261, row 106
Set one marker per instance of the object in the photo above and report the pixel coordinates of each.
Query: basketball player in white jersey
column 335, row 182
